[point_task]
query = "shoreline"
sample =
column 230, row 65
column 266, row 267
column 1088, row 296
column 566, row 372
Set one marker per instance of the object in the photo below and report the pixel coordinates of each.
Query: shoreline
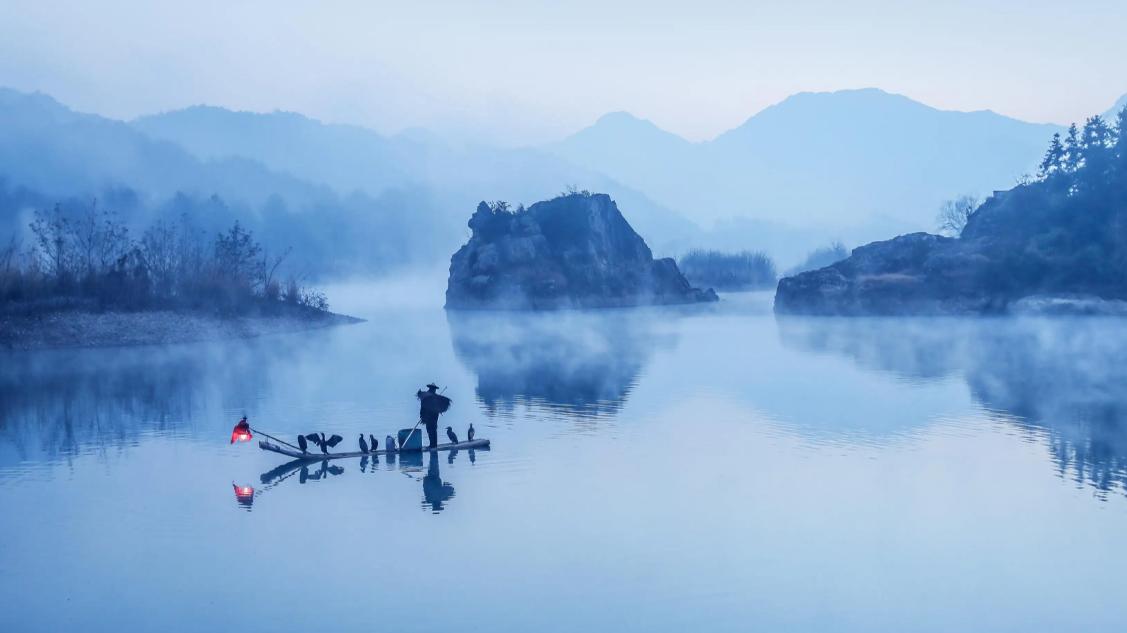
column 86, row 329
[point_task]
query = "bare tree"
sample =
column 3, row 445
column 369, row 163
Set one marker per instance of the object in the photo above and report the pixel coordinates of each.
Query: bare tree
column 8, row 256
column 106, row 239
column 953, row 214
column 236, row 256
column 53, row 248
column 159, row 248
column 268, row 268
column 190, row 248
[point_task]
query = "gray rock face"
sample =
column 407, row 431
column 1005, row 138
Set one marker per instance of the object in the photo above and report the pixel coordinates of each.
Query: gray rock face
column 575, row 251
column 898, row 275
column 908, row 274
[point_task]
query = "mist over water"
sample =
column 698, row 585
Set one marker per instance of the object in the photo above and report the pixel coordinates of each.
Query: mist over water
column 646, row 466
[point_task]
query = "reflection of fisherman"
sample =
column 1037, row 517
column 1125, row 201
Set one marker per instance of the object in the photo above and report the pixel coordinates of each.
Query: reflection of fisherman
column 435, row 491
column 431, row 405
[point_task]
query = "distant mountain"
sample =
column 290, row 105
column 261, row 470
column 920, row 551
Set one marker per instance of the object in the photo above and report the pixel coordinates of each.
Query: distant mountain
column 52, row 155
column 852, row 166
column 344, row 157
column 1111, row 114
column 47, row 147
column 632, row 149
column 349, row 158
column 831, row 160
column 349, row 200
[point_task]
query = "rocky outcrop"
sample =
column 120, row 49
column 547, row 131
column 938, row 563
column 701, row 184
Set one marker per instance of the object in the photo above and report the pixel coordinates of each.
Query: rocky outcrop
column 575, row 251
column 1035, row 245
column 908, row 274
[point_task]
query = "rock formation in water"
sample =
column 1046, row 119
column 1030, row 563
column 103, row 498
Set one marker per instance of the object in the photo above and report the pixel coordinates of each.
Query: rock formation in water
column 575, row 251
column 1056, row 244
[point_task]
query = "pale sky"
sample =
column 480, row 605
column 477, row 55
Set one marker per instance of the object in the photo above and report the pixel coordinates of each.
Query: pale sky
column 528, row 71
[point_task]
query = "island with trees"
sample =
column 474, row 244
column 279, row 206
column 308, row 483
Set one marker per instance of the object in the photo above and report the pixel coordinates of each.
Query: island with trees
column 86, row 281
column 1056, row 242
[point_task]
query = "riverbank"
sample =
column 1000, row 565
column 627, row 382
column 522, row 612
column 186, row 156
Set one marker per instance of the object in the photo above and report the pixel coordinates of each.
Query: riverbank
column 65, row 329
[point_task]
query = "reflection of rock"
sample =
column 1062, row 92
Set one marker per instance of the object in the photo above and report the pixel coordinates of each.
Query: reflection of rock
column 570, row 252
column 1062, row 376
column 582, row 363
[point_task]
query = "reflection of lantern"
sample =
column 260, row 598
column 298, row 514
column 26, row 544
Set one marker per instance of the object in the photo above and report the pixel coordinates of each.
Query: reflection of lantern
column 241, row 432
column 244, row 495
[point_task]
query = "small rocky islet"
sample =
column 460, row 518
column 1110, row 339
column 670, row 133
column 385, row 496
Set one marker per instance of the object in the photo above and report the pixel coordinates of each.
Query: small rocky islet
column 574, row 251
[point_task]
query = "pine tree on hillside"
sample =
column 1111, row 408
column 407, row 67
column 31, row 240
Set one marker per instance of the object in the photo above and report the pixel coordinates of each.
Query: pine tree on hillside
column 1095, row 147
column 1121, row 140
column 1054, row 161
column 1072, row 149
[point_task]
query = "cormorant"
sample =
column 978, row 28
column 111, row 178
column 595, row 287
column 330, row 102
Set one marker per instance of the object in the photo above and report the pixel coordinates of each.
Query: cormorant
column 374, row 442
column 324, row 444
column 302, row 443
column 363, row 444
column 450, row 434
column 389, row 443
column 469, row 433
column 318, row 440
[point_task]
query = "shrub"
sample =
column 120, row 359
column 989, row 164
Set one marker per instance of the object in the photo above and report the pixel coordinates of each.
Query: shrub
column 87, row 258
column 729, row 271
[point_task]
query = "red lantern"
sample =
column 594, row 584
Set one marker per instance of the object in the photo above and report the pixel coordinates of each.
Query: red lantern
column 241, row 432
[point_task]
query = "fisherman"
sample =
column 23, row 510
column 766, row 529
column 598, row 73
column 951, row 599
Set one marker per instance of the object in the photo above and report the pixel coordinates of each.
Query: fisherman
column 431, row 405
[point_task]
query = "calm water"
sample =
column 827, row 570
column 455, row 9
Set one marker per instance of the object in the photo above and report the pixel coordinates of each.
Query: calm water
column 704, row 468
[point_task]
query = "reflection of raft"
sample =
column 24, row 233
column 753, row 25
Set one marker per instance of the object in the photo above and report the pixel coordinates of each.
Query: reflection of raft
column 318, row 456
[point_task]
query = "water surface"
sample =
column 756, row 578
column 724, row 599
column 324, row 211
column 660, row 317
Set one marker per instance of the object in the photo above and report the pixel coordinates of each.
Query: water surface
column 702, row 468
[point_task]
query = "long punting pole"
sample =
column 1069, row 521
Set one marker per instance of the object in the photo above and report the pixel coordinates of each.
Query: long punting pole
column 275, row 439
column 409, row 435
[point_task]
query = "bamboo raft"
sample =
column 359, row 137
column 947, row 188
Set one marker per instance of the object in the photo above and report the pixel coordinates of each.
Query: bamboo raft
column 319, row 456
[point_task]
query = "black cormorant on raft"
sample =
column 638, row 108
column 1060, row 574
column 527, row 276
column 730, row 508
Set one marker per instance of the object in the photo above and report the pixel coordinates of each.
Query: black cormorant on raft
column 324, row 444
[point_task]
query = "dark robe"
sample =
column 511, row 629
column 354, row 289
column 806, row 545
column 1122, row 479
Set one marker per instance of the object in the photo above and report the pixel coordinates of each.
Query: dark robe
column 431, row 405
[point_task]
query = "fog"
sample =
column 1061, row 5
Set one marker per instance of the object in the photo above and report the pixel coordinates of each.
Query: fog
column 1055, row 380
column 618, row 438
